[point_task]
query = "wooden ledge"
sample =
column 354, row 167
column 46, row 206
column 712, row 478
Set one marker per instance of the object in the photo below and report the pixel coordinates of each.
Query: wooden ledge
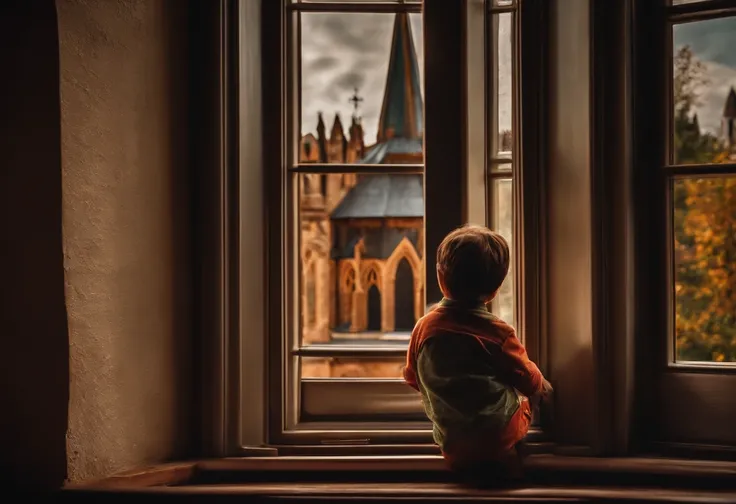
column 425, row 478
column 337, row 463
column 435, row 463
column 424, row 492
column 409, row 468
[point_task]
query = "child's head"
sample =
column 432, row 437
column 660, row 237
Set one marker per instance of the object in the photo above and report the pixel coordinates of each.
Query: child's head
column 472, row 263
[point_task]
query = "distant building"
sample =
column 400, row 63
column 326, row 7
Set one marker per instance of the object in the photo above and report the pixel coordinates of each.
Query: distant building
column 728, row 123
column 362, row 235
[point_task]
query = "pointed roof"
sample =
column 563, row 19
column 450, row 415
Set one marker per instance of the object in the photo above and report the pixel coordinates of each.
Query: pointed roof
column 383, row 196
column 320, row 124
column 321, row 139
column 402, row 110
column 337, row 128
column 729, row 111
column 400, row 131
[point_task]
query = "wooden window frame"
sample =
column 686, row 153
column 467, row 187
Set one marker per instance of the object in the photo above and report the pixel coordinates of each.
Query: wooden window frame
column 318, row 411
column 670, row 391
column 239, row 383
column 598, row 245
column 442, row 149
column 529, row 78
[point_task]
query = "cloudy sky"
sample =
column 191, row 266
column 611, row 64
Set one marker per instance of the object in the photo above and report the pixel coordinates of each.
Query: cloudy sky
column 714, row 43
column 342, row 51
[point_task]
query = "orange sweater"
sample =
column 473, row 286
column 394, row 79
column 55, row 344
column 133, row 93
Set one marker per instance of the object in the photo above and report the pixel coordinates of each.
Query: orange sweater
column 495, row 338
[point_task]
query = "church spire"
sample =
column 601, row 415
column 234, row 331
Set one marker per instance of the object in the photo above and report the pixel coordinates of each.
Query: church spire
column 402, row 110
column 729, row 120
column 729, row 110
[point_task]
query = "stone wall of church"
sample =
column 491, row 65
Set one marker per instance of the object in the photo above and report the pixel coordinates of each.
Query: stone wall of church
column 349, row 294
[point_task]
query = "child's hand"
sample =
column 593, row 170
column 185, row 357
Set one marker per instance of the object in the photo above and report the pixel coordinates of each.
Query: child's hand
column 547, row 389
column 546, row 405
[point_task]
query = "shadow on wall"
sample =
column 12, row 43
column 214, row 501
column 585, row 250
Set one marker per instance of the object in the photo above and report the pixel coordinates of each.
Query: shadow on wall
column 34, row 356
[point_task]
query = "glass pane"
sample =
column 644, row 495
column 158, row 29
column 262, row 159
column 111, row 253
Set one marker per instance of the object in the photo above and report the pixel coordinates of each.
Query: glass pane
column 704, row 93
column 361, row 270
column 352, row 367
column 361, row 88
column 503, row 222
column 678, row 2
column 501, row 40
column 705, row 269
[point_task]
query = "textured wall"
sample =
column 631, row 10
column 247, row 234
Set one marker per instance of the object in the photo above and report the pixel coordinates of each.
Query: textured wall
column 123, row 117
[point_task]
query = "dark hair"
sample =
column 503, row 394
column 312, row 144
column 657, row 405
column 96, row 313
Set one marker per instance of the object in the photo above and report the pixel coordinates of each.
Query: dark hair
column 473, row 261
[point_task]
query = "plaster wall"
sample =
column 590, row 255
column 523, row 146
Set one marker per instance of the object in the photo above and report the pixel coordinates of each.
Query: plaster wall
column 125, row 237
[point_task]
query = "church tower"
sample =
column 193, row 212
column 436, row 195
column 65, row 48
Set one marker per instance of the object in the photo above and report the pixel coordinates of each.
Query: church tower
column 362, row 239
column 377, row 226
column 402, row 109
column 728, row 121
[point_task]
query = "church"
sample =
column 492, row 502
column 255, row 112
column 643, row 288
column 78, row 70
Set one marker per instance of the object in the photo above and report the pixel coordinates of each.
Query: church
column 361, row 235
column 728, row 125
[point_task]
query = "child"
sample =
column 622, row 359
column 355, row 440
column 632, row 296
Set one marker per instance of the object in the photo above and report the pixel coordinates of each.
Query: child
column 473, row 373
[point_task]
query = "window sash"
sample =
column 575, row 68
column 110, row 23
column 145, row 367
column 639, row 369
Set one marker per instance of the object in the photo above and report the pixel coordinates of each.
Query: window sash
column 672, row 171
column 309, row 410
column 668, row 392
column 303, row 410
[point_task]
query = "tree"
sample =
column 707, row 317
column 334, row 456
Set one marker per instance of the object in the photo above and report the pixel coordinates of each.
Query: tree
column 705, row 241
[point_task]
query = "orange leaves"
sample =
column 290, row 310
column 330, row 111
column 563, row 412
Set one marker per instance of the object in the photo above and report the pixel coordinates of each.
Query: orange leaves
column 705, row 268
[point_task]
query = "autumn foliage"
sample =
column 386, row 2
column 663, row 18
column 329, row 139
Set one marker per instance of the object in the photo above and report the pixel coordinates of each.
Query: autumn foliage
column 704, row 230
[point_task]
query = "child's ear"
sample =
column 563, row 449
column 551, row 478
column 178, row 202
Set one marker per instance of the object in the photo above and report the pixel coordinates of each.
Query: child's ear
column 441, row 281
column 490, row 298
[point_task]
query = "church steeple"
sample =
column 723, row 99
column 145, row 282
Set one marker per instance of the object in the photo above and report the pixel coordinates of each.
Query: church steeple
column 729, row 110
column 729, row 120
column 402, row 110
column 321, row 138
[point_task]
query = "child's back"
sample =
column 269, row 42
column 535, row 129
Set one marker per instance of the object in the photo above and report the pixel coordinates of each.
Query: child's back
column 472, row 371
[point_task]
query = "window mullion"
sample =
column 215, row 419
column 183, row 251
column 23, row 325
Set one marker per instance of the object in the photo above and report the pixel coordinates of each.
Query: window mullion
column 445, row 154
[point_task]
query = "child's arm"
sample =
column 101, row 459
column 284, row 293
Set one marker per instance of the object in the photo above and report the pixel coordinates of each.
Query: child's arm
column 410, row 371
column 521, row 372
column 410, row 378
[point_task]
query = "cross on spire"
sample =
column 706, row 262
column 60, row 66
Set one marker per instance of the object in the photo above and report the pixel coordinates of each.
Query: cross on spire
column 355, row 99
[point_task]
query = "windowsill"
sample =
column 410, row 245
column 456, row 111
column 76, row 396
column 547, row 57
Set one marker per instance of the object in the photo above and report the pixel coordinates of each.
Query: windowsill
column 426, row 476
column 370, row 337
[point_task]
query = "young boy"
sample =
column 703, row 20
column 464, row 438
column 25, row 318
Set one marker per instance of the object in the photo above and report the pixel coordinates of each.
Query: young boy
column 473, row 373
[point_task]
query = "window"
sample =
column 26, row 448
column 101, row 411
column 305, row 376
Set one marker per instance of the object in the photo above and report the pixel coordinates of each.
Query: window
column 696, row 176
column 354, row 239
column 502, row 118
column 703, row 197
column 601, row 166
column 501, row 151
column 355, row 210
